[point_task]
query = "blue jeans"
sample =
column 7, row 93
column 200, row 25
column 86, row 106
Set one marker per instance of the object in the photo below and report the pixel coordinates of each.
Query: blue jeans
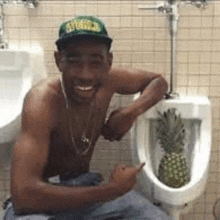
column 131, row 206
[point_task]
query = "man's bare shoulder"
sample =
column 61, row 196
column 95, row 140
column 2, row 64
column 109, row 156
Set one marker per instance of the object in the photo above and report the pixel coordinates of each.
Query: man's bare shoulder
column 47, row 89
column 43, row 97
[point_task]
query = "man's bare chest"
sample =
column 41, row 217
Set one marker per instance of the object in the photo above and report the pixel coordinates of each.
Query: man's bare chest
column 64, row 145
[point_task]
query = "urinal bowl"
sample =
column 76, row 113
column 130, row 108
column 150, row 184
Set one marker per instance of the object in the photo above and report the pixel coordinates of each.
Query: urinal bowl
column 196, row 115
column 19, row 71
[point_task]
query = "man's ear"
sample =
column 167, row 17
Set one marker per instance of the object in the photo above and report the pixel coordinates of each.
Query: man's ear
column 58, row 59
column 110, row 59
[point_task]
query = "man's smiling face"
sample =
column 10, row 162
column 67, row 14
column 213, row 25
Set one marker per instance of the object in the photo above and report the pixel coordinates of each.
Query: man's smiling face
column 85, row 66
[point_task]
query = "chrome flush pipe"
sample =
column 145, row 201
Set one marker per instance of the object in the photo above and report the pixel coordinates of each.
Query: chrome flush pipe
column 29, row 3
column 3, row 44
column 26, row 3
column 173, row 17
column 170, row 8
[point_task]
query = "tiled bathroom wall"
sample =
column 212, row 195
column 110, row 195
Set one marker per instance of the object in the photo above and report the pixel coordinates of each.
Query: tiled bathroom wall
column 141, row 40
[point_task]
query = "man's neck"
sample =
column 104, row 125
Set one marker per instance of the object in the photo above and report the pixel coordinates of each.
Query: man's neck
column 79, row 103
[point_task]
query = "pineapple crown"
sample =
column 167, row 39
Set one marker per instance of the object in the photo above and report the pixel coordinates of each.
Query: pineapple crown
column 170, row 131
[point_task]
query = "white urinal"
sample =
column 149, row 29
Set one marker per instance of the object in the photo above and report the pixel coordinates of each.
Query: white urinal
column 196, row 115
column 19, row 71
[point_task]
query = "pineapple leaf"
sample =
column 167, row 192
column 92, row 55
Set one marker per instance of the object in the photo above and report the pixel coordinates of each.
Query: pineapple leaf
column 170, row 131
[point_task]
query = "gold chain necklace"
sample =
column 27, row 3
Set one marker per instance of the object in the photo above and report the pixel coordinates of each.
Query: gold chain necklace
column 84, row 142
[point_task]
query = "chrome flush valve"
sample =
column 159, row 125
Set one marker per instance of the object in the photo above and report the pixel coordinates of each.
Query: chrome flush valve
column 198, row 3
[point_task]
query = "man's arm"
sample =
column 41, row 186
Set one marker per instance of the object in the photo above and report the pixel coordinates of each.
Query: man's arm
column 152, row 87
column 30, row 193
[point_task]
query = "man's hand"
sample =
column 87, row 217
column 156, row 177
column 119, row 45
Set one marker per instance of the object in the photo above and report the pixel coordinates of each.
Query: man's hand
column 118, row 123
column 125, row 176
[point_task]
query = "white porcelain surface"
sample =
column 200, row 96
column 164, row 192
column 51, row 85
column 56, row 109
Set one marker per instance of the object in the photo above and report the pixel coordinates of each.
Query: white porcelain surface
column 19, row 71
column 196, row 115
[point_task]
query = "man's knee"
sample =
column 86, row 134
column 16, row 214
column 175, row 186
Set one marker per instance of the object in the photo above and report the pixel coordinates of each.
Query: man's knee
column 142, row 208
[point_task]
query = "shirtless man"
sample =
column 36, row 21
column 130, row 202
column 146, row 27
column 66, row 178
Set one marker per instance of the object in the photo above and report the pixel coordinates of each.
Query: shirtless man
column 61, row 122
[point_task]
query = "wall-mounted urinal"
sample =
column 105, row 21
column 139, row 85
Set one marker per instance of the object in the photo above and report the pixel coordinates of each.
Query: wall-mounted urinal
column 196, row 115
column 19, row 71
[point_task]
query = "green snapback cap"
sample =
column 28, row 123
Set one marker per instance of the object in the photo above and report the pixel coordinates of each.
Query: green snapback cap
column 82, row 27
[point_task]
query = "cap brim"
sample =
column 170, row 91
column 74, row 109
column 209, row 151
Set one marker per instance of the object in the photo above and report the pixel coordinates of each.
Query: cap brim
column 63, row 42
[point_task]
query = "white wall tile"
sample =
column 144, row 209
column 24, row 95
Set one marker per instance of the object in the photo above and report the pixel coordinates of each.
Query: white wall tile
column 141, row 39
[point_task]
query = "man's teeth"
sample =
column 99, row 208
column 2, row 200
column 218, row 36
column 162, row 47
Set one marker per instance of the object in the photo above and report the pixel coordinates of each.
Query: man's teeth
column 85, row 88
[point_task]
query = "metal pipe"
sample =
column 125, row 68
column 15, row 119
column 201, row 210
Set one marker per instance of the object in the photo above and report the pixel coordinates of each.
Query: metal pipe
column 173, row 65
column 3, row 44
column 198, row 3
column 171, row 9
column 26, row 3
column 173, row 26
column 160, row 7
column 1, row 23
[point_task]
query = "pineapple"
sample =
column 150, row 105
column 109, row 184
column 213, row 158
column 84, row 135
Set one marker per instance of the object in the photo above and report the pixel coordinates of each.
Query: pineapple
column 173, row 169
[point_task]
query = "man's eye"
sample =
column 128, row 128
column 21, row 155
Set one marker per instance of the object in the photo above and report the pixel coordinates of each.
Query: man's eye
column 96, row 62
